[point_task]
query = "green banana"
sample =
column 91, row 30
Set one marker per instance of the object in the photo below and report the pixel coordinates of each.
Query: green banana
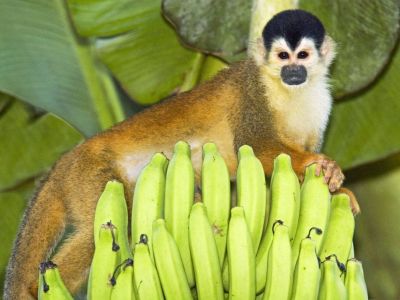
column 124, row 285
column 105, row 259
column 148, row 198
column 216, row 195
column 169, row 264
column 279, row 274
column 285, row 206
column 251, row 192
column 51, row 285
column 355, row 282
column 314, row 210
column 338, row 237
column 112, row 206
column 240, row 257
column 307, row 273
column 204, row 255
column 332, row 286
column 146, row 276
column 179, row 196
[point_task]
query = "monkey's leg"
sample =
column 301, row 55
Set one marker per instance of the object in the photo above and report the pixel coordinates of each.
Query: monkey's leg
column 42, row 225
column 74, row 257
column 300, row 160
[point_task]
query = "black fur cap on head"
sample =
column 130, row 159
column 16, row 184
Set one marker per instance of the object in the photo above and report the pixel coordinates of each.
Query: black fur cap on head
column 293, row 25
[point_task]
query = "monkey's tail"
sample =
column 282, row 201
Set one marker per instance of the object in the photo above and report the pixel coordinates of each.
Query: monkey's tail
column 43, row 220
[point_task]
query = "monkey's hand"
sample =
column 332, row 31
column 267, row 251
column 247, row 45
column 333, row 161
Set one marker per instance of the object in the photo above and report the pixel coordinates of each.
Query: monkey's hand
column 332, row 172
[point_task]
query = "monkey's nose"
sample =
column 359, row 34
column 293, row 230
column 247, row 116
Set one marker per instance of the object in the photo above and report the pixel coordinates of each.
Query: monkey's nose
column 293, row 74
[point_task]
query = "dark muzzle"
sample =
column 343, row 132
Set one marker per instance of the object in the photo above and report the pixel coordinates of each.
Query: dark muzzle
column 294, row 74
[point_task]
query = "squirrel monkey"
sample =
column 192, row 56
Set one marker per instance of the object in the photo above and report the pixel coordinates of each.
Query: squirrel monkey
column 276, row 101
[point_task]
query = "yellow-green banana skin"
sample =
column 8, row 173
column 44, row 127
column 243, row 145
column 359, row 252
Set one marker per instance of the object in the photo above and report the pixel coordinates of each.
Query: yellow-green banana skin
column 125, row 287
column 279, row 274
column 314, row 210
column 148, row 199
column 105, row 259
column 307, row 273
column 240, row 258
column 179, row 197
column 338, row 237
column 55, row 288
column 204, row 255
column 146, row 277
column 112, row 206
column 216, row 195
column 332, row 286
column 355, row 282
column 251, row 192
column 285, row 206
column 169, row 264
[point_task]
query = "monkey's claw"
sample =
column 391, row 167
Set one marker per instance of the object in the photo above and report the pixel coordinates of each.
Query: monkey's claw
column 332, row 173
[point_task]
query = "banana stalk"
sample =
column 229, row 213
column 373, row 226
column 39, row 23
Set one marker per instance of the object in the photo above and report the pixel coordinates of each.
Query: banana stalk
column 216, row 195
column 179, row 196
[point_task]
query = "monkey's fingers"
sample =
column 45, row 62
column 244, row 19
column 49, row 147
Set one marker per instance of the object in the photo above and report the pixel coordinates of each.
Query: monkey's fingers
column 332, row 173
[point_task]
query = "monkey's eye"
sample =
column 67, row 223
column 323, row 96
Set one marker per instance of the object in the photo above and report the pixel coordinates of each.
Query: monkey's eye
column 283, row 55
column 302, row 54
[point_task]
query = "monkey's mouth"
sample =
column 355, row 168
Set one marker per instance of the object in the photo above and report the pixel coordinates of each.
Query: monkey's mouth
column 294, row 74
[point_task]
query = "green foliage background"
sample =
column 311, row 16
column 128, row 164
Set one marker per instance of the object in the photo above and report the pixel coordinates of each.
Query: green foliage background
column 69, row 69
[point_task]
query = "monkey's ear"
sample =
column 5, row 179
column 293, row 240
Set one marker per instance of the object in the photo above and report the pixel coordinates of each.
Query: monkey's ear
column 257, row 51
column 328, row 50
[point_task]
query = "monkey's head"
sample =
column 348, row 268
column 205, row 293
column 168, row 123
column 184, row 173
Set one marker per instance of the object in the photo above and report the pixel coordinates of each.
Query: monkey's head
column 295, row 48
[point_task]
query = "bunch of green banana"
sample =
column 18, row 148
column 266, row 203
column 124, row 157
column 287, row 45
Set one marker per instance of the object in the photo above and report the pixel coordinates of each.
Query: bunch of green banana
column 204, row 255
column 112, row 206
column 51, row 286
column 200, row 249
column 124, row 286
column 216, row 195
column 169, row 264
column 241, row 258
column 279, row 275
column 179, row 197
column 338, row 238
column 332, row 286
column 355, row 282
column 106, row 257
column 285, row 206
column 307, row 273
column 146, row 275
column 314, row 209
column 148, row 199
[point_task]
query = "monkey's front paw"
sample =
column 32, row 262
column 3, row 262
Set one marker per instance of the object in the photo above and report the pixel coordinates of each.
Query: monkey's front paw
column 332, row 173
